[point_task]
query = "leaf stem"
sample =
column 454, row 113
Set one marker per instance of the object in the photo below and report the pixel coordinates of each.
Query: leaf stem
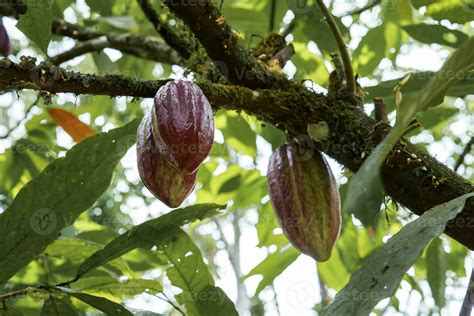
column 346, row 57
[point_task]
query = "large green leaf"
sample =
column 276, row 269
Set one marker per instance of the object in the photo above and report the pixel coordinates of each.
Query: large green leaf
column 100, row 303
column 187, row 269
column 370, row 51
column 36, row 23
column 436, row 267
column 383, row 270
column 148, row 234
column 439, row 34
column 434, row 116
column 212, row 301
column 103, row 286
column 55, row 198
column 457, row 11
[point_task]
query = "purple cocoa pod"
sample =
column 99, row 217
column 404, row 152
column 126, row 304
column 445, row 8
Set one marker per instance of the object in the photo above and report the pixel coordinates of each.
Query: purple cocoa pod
column 4, row 41
column 183, row 124
column 168, row 184
column 305, row 197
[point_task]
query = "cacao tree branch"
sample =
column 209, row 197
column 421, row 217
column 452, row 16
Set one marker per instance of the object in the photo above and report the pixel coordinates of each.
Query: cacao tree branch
column 140, row 46
column 223, row 45
column 346, row 57
column 184, row 48
column 464, row 153
column 77, row 32
column 184, row 42
column 410, row 176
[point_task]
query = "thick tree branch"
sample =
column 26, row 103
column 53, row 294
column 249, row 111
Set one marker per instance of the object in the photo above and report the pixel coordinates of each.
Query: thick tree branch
column 410, row 176
column 223, row 45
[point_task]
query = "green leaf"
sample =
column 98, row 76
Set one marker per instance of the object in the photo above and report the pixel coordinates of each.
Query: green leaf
column 78, row 250
column 436, row 267
column 434, row 116
column 312, row 26
column 212, row 301
column 457, row 11
column 439, row 34
column 100, row 303
column 107, row 285
column 383, row 270
column 36, row 23
column 55, row 198
column 103, row 7
column 187, row 270
column 370, row 51
column 58, row 307
column 252, row 18
column 150, row 233
column 231, row 184
column 273, row 135
column 239, row 134
column 272, row 266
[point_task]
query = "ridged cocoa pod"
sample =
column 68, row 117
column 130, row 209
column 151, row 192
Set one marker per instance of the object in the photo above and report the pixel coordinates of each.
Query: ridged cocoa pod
column 4, row 41
column 305, row 197
column 183, row 124
column 168, row 184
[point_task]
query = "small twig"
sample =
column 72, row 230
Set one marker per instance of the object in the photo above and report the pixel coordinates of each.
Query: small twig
column 413, row 126
column 468, row 302
column 63, row 28
column 277, row 305
column 346, row 57
column 5, row 297
column 325, row 299
column 272, row 15
column 464, row 153
column 25, row 116
column 365, row 8
column 289, row 28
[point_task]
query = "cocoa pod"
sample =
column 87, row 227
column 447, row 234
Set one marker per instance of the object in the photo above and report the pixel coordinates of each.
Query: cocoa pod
column 4, row 41
column 183, row 124
column 168, row 184
column 305, row 197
